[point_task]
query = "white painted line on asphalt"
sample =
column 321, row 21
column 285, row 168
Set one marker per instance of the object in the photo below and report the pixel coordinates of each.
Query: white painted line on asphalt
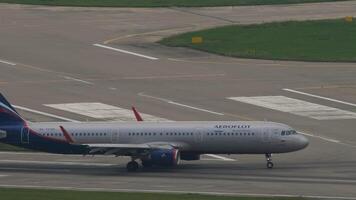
column 7, row 62
column 320, row 137
column 78, row 80
column 194, row 108
column 103, row 111
column 125, row 51
column 179, row 104
column 17, row 169
column 320, row 97
column 44, row 114
column 3, row 175
column 327, row 139
column 297, row 107
column 179, row 192
column 220, row 157
column 56, row 163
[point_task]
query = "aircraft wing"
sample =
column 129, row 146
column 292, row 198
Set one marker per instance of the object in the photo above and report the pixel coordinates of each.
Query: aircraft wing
column 131, row 149
column 125, row 149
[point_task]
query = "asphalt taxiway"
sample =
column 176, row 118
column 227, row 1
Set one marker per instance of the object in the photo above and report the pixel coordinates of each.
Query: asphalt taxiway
column 57, row 55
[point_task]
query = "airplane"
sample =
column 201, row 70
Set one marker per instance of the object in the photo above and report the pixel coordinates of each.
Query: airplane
column 150, row 143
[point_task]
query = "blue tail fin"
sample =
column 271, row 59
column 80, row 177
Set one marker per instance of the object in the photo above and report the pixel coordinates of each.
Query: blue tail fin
column 8, row 114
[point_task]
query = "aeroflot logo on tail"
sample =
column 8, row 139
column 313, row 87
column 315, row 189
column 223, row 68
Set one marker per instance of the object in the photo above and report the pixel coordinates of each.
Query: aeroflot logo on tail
column 232, row 126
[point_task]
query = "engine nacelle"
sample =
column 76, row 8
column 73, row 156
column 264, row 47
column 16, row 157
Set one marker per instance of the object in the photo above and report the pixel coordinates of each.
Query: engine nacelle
column 189, row 156
column 165, row 157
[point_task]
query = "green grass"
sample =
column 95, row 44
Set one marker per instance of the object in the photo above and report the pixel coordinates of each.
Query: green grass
column 158, row 3
column 41, row 194
column 6, row 147
column 322, row 40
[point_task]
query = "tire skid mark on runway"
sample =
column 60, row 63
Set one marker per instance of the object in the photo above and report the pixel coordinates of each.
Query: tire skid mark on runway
column 180, row 192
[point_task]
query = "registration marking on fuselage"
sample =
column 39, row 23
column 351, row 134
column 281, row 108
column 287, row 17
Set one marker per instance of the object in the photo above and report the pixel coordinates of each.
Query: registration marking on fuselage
column 297, row 107
column 103, row 111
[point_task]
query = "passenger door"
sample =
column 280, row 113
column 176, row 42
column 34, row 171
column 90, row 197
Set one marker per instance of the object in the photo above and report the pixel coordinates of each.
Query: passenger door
column 266, row 135
column 25, row 135
column 198, row 135
column 115, row 136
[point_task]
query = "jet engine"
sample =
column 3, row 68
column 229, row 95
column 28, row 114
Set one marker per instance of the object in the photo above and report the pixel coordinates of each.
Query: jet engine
column 163, row 157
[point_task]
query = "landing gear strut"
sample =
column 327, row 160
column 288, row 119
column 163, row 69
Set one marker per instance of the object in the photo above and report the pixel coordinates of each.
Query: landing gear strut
column 132, row 166
column 269, row 160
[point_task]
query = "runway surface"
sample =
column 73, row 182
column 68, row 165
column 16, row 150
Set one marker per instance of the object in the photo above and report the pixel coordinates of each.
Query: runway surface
column 54, row 58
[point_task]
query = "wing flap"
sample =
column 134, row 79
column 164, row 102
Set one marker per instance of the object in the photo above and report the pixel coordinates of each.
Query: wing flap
column 122, row 146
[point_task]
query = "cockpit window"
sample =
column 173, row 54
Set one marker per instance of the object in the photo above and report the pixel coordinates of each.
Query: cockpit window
column 289, row 132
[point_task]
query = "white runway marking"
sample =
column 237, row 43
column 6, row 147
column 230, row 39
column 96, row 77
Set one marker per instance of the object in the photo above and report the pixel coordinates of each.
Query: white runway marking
column 320, row 137
column 297, row 107
column 179, row 104
column 320, row 97
column 220, row 157
column 78, row 80
column 194, row 108
column 7, row 62
column 179, row 192
column 124, row 51
column 44, row 114
column 103, row 111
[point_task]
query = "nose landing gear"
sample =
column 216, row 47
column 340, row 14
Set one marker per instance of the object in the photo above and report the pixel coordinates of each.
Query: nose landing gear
column 269, row 160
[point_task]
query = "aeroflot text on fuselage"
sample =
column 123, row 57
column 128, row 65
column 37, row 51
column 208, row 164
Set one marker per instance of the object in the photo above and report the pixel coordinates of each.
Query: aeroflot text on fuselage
column 232, row 126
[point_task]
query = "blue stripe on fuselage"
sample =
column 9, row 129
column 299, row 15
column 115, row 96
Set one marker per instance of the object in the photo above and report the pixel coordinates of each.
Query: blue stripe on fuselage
column 39, row 143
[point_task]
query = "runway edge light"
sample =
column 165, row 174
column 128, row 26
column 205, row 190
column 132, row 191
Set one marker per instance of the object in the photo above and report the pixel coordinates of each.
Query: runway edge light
column 349, row 18
column 197, row 40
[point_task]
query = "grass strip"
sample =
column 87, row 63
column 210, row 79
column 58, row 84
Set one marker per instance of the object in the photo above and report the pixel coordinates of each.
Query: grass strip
column 44, row 194
column 159, row 3
column 320, row 40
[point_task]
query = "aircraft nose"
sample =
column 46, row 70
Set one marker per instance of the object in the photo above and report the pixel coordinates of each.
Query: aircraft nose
column 302, row 141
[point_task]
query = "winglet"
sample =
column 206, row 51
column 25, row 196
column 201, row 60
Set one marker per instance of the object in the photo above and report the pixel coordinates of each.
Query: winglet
column 137, row 114
column 66, row 135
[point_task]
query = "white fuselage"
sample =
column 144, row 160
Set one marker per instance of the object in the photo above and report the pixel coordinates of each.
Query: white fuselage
column 233, row 137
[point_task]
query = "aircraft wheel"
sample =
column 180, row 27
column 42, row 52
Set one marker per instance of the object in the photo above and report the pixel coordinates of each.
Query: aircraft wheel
column 132, row 166
column 269, row 165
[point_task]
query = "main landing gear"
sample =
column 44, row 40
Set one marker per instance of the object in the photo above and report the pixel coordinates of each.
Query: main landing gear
column 132, row 166
column 269, row 160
